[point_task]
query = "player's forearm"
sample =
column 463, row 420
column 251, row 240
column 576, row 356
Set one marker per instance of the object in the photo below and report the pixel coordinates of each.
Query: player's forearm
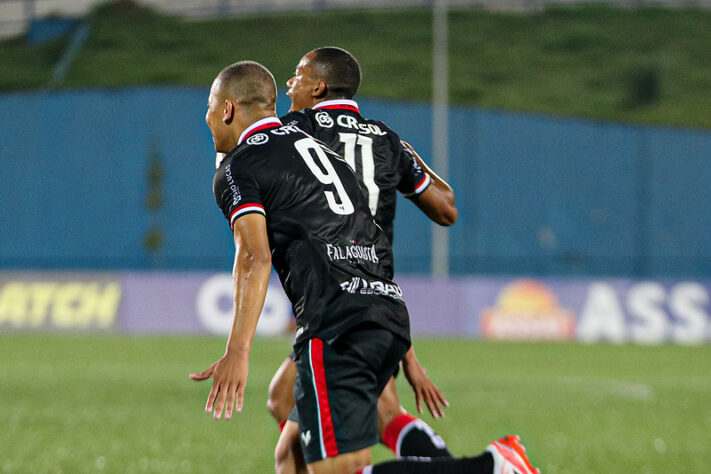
column 444, row 190
column 250, row 278
column 409, row 357
column 437, row 180
column 446, row 195
column 437, row 201
column 438, row 205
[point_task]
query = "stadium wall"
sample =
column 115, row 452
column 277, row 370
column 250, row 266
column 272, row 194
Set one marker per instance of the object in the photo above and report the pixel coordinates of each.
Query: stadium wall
column 498, row 308
column 121, row 179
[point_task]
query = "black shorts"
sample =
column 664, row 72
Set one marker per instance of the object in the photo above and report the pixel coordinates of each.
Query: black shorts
column 337, row 389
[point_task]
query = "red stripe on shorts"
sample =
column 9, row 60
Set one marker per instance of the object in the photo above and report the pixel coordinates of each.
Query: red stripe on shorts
column 328, row 435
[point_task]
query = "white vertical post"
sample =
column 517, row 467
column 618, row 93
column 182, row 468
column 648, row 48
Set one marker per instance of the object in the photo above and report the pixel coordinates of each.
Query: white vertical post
column 440, row 127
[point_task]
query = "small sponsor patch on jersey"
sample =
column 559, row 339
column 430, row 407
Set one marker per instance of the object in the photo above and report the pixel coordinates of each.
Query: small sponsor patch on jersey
column 234, row 189
column 324, row 119
column 360, row 286
column 258, row 139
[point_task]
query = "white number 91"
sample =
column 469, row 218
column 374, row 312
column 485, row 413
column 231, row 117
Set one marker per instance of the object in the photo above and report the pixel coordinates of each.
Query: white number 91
column 306, row 148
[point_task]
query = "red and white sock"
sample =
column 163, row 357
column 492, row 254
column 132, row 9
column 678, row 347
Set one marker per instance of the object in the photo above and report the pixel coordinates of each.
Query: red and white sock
column 407, row 435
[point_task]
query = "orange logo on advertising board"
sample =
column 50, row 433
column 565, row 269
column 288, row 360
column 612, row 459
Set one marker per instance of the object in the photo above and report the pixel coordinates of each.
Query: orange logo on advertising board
column 527, row 310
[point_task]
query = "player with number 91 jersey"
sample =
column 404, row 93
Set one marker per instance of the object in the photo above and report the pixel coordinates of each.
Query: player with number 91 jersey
column 334, row 262
column 373, row 151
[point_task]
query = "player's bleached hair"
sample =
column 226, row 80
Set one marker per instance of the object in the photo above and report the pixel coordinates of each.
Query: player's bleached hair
column 249, row 83
column 339, row 68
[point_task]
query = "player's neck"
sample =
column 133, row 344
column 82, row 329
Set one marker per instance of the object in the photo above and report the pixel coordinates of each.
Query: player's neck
column 245, row 120
column 328, row 99
column 253, row 116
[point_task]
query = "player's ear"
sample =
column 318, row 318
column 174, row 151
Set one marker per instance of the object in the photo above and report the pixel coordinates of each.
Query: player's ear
column 229, row 112
column 320, row 89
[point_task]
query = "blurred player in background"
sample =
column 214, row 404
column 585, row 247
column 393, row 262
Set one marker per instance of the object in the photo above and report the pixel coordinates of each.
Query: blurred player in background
column 321, row 91
column 287, row 198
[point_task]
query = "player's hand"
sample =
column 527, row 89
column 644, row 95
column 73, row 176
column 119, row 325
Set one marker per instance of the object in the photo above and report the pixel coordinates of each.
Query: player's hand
column 425, row 390
column 229, row 375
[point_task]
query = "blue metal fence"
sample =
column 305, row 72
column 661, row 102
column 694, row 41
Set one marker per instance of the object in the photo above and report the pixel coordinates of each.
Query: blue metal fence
column 536, row 195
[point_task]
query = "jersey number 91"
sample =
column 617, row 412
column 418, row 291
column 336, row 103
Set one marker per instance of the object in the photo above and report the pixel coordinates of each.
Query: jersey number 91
column 307, row 148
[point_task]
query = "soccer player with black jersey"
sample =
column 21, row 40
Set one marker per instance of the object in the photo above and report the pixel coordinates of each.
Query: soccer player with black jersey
column 322, row 90
column 288, row 200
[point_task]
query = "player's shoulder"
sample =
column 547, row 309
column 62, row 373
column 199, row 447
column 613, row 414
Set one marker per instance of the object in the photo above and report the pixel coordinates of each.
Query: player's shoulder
column 296, row 117
column 269, row 141
column 385, row 129
column 310, row 119
column 366, row 124
column 234, row 163
column 241, row 159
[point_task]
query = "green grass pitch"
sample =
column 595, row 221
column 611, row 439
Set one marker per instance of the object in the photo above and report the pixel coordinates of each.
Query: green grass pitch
column 118, row 404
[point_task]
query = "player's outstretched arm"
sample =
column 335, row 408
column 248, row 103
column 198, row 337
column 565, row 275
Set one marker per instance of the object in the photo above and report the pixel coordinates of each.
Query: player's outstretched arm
column 423, row 387
column 437, row 201
column 250, row 276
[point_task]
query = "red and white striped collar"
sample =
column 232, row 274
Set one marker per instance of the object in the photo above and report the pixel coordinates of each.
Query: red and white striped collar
column 346, row 104
column 267, row 122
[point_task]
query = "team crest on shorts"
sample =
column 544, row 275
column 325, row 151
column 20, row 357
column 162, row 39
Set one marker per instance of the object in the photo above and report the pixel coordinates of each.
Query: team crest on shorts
column 258, row 139
column 324, row 119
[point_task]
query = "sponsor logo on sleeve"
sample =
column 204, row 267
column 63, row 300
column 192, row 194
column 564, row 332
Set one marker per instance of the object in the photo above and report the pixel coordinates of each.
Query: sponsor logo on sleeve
column 234, row 189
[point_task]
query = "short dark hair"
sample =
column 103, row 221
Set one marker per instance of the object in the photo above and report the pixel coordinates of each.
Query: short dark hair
column 339, row 68
column 249, row 83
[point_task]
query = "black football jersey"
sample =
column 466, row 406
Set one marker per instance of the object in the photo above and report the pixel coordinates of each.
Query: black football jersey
column 334, row 262
column 374, row 152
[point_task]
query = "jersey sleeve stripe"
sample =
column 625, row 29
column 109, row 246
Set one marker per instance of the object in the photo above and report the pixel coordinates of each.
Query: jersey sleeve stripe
column 327, row 435
column 246, row 209
column 421, row 186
